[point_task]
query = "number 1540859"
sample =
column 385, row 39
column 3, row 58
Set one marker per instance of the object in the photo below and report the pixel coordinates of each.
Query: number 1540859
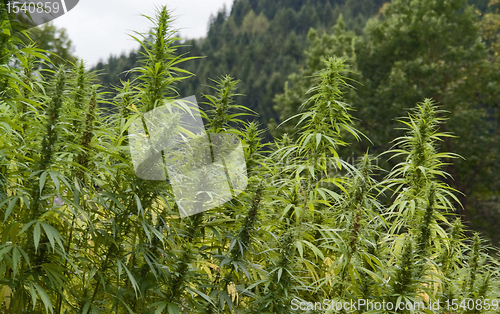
column 33, row 7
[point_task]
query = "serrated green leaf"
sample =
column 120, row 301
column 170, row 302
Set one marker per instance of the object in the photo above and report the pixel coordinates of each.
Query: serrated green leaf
column 36, row 235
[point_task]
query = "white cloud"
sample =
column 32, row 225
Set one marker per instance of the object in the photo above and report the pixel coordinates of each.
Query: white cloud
column 99, row 28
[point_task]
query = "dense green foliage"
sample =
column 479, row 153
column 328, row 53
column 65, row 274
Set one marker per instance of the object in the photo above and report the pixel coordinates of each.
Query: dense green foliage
column 55, row 41
column 263, row 44
column 417, row 49
column 81, row 233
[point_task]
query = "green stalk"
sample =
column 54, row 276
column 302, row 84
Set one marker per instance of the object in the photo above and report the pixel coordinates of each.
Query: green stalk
column 49, row 138
column 88, row 133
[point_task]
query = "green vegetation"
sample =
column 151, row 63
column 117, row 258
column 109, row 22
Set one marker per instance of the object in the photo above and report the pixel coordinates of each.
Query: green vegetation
column 407, row 51
column 56, row 42
column 81, row 233
column 416, row 49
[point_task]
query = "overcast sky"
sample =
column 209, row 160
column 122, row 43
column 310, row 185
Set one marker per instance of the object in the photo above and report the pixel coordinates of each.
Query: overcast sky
column 99, row 28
